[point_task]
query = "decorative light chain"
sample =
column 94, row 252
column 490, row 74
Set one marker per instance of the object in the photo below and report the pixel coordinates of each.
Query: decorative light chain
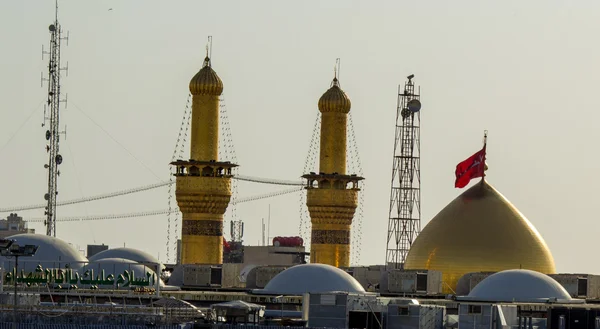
column 177, row 154
column 359, row 215
column 309, row 165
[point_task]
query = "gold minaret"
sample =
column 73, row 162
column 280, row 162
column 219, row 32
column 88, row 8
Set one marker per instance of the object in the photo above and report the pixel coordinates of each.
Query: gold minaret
column 203, row 183
column 332, row 196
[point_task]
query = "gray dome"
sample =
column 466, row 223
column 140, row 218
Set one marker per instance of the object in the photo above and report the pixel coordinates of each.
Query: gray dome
column 135, row 255
column 118, row 266
column 519, row 286
column 52, row 253
column 311, row 278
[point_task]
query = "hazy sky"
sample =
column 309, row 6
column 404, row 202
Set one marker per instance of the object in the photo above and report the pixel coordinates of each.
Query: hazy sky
column 524, row 70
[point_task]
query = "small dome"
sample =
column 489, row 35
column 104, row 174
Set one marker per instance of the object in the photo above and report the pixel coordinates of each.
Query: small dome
column 206, row 81
column 334, row 99
column 479, row 231
column 519, row 286
column 135, row 255
column 52, row 253
column 312, row 278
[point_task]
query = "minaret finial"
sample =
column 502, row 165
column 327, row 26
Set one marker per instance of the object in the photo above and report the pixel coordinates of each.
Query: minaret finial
column 336, row 73
column 208, row 51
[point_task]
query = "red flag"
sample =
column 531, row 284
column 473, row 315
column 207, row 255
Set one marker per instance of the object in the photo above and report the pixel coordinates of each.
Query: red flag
column 472, row 167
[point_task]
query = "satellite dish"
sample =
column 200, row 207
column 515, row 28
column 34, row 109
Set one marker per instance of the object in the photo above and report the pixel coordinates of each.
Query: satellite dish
column 244, row 272
column 414, row 105
column 52, row 28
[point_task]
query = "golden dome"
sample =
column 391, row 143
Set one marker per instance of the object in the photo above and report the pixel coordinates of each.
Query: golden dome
column 206, row 81
column 334, row 99
column 479, row 231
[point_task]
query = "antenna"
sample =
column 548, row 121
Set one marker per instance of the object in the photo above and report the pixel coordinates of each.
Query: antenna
column 209, row 54
column 263, row 231
column 337, row 68
column 405, row 197
column 52, row 134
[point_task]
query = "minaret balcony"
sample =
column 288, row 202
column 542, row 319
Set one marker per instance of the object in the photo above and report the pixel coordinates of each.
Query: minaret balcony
column 210, row 168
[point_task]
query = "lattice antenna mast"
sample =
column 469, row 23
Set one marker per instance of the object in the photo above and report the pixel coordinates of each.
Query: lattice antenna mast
column 52, row 118
column 237, row 230
column 405, row 197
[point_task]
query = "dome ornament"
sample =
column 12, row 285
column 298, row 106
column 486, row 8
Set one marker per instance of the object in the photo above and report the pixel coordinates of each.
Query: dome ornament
column 206, row 81
column 336, row 73
column 208, row 52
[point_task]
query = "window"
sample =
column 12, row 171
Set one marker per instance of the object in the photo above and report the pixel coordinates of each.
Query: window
column 474, row 309
column 403, row 310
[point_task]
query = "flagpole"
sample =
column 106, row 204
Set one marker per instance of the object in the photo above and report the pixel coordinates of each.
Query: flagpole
column 485, row 132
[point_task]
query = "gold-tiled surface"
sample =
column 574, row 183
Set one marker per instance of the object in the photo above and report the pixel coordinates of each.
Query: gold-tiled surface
column 337, row 255
column 332, row 158
column 334, row 99
column 203, row 200
column 206, row 81
column 478, row 231
column 331, row 211
column 330, row 236
column 202, row 227
column 197, row 194
column 204, row 142
column 201, row 249
column 332, row 205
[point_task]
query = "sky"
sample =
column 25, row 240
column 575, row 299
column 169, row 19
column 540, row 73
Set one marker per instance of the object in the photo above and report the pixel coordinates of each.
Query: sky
column 525, row 71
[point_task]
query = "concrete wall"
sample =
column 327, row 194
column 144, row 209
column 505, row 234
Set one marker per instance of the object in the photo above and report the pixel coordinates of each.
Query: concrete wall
column 399, row 281
column 267, row 255
column 571, row 283
column 231, row 276
column 327, row 311
column 368, row 276
column 468, row 281
column 259, row 276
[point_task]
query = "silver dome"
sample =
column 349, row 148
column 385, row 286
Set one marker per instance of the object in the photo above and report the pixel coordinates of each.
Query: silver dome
column 135, row 255
column 52, row 253
column 523, row 286
column 311, row 278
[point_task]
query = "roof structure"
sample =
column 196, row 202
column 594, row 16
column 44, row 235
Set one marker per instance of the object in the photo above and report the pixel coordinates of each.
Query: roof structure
column 206, row 81
column 479, row 231
column 311, row 278
column 521, row 286
column 51, row 253
column 334, row 99
column 135, row 255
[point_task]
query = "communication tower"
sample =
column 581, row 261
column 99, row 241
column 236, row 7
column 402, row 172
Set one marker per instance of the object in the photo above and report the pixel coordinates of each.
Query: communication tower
column 237, row 230
column 405, row 197
column 52, row 118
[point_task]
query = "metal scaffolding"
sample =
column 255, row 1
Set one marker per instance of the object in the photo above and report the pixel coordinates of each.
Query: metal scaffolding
column 52, row 118
column 405, row 197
